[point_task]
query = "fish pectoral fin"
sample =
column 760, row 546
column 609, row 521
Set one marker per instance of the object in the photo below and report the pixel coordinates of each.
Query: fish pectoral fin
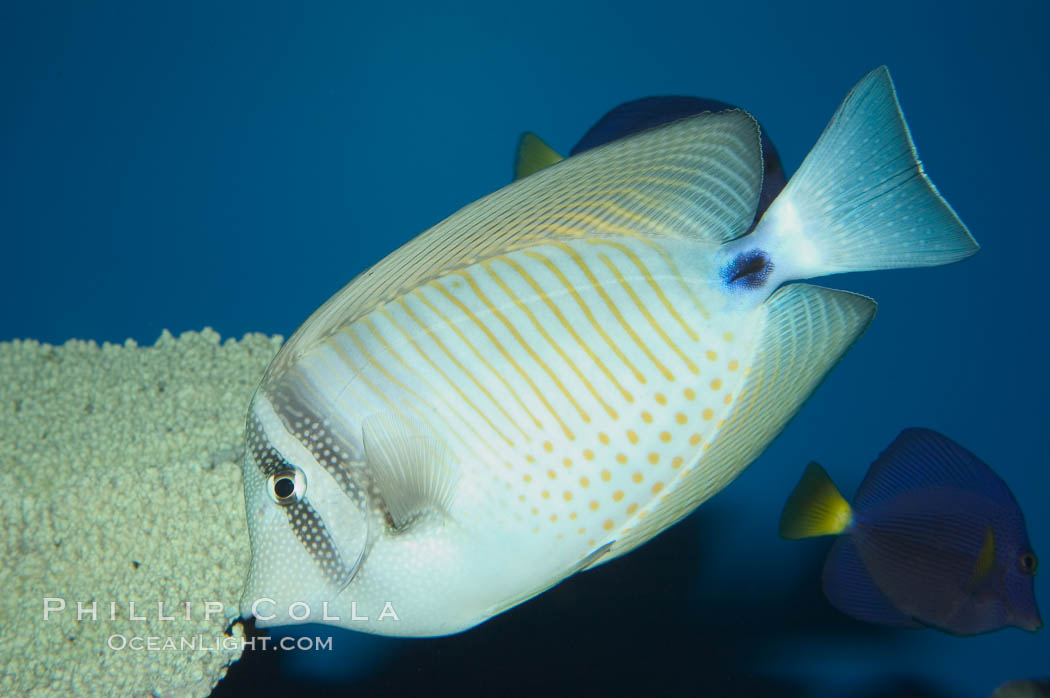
column 805, row 331
column 984, row 570
column 413, row 469
column 815, row 507
column 533, row 155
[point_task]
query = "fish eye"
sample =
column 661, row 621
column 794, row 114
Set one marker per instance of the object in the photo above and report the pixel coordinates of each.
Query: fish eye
column 287, row 486
column 1029, row 562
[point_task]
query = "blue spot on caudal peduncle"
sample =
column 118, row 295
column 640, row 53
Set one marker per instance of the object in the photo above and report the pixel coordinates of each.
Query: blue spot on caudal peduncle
column 747, row 271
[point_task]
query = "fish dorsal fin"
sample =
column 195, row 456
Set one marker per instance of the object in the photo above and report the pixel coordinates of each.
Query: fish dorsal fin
column 414, row 471
column 815, row 507
column 921, row 458
column 641, row 114
column 648, row 112
column 696, row 179
column 805, row 331
column 533, row 155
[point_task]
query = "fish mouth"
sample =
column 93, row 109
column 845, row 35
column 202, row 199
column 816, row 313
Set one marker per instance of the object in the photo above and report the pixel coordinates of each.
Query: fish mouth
column 1032, row 625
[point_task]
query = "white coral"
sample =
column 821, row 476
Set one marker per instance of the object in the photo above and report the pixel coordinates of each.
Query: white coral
column 118, row 484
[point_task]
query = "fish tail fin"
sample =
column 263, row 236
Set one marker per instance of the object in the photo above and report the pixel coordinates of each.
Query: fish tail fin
column 861, row 201
column 815, row 507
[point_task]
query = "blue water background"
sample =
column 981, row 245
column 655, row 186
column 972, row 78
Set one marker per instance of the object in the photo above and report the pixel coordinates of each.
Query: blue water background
column 192, row 164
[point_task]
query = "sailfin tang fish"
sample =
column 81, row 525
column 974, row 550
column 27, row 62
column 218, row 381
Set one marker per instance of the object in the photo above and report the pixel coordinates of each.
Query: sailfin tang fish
column 933, row 538
column 559, row 371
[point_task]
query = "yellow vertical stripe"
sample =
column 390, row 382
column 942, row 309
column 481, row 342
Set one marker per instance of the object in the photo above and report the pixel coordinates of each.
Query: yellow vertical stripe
column 459, row 333
column 542, row 294
column 612, row 307
column 543, row 398
column 455, row 386
column 648, row 316
column 553, row 267
column 438, row 413
column 647, row 275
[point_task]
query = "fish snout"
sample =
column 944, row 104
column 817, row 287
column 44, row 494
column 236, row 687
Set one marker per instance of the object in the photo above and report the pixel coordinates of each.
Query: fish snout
column 1032, row 624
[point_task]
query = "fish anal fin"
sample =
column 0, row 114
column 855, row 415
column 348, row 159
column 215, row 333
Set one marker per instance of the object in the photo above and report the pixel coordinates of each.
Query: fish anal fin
column 805, row 331
column 850, row 589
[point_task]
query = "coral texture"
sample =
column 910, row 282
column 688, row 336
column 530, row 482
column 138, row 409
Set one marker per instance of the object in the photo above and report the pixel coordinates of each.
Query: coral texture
column 120, row 484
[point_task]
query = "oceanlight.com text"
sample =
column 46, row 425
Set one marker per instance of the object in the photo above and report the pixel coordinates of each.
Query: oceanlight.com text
column 201, row 643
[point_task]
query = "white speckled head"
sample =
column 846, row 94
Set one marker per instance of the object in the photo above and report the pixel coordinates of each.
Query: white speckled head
column 327, row 547
column 308, row 525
